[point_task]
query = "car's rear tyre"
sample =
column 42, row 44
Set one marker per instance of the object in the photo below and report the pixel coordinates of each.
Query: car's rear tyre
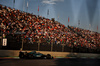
column 21, row 56
column 30, row 56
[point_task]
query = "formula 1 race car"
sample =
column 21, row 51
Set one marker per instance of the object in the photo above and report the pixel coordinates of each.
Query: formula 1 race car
column 34, row 55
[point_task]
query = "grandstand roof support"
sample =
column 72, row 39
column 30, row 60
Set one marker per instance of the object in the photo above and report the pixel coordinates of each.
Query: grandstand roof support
column 1, row 37
column 52, row 41
column 38, row 46
column 63, row 45
column 22, row 44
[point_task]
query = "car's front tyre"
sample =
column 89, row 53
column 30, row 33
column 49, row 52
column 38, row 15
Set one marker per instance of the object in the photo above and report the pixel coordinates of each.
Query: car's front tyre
column 48, row 56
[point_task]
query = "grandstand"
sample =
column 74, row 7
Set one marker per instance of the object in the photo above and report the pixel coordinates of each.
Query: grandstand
column 32, row 32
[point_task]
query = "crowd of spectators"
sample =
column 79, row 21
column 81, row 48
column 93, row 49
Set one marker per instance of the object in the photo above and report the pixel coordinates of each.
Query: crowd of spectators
column 87, row 38
column 34, row 28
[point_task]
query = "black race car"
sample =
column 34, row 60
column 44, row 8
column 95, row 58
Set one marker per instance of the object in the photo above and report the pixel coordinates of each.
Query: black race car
column 34, row 55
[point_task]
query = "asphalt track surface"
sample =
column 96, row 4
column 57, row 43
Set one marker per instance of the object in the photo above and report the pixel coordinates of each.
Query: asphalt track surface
column 50, row 62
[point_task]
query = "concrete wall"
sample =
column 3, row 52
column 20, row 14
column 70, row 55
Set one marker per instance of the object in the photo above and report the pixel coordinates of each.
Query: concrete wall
column 55, row 54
